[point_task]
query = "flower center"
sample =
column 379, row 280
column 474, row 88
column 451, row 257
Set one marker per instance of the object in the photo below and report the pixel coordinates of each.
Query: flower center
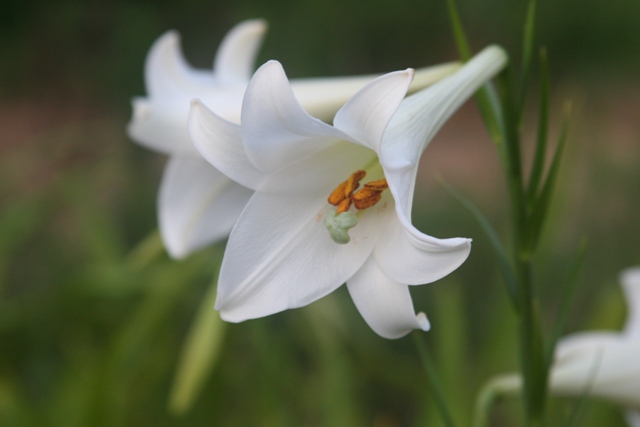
column 338, row 223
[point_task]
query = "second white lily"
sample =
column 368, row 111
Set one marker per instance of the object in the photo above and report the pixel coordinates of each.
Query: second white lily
column 197, row 205
column 604, row 364
column 310, row 227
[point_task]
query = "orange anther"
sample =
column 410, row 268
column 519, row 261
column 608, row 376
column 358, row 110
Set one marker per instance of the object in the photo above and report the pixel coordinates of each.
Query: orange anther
column 380, row 184
column 344, row 205
column 370, row 194
column 366, row 198
column 345, row 190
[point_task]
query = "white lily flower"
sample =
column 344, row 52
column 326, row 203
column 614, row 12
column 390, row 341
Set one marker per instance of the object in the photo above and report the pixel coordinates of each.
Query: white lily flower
column 604, row 364
column 310, row 227
column 601, row 364
column 197, row 205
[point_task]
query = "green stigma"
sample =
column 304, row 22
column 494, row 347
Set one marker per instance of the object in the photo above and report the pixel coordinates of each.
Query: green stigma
column 339, row 225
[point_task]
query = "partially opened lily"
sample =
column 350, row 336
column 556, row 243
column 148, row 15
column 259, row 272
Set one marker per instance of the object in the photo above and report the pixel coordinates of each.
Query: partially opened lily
column 332, row 204
column 601, row 364
column 605, row 364
column 197, row 205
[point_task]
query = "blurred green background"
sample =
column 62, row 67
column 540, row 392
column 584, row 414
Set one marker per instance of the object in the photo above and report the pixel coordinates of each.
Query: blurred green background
column 92, row 324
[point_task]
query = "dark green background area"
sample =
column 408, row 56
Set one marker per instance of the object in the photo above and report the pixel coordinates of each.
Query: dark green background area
column 95, row 50
column 89, row 339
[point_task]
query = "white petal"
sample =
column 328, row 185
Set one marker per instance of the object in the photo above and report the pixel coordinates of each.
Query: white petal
column 323, row 97
column 161, row 126
column 168, row 77
column 276, row 129
column 414, row 258
column 605, row 364
column 236, row 55
column 197, row 205
column 280, row 254
column 417, row 120
column 384, row 304
column 366, row 115
column 426, row 76
column 633, row 418
column 220, row 143
column 630, row 279
column 421, row 115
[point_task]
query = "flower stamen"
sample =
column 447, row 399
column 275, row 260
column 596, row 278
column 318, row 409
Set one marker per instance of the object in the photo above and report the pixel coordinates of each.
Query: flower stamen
column 344, row 191
column 370, row 194
column 343, row 196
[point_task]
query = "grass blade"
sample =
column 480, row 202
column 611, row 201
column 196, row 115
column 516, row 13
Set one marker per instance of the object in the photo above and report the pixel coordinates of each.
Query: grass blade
column 199, row 354
column 459, row 35
column 490, row 115
column 543, row 128
column 542, row 203
column 506, row 270
column 566, row 298
column 527, row 52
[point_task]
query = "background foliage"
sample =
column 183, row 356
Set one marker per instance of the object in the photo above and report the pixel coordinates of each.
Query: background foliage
column 91, row 335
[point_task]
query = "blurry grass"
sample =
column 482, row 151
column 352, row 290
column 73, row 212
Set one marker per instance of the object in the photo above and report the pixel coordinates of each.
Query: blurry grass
column 85, row 339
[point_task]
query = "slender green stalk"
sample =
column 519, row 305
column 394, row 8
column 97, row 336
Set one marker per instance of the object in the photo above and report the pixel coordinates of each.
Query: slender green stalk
column 531, row 348
column 432, row 378
column 494, row 389
column 145, row 251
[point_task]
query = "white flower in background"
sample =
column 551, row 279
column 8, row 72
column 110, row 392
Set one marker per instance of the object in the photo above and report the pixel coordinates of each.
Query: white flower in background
column 604, row 364
column 197, row 205
column 332, row 204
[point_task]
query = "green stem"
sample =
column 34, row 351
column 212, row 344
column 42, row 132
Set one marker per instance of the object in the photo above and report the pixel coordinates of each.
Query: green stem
column 531, row 351
column 145, row 251
column 494, row 389
column 432, row 377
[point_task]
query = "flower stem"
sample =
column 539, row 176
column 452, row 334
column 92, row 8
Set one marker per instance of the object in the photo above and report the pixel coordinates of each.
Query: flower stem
column 145, row 251
column 432, row 378
column 492, row 391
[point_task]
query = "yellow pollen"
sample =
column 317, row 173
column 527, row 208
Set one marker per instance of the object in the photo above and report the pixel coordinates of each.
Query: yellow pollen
column 346, row 189
column 370, row 194
column 345, row 194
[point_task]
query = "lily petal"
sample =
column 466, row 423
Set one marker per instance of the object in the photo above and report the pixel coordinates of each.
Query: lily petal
column 605, row 366
column 414, row 258
column 280, row 254
column 384, row 304
column 421, row 115
column 366, row 116
column 161, row 127
column 277, row 130
column 417, row 120
column 633, row 418
column 220, row 143
column 630, row 279
column 320, row 96
column 168, row 76
column 234, row 61
column 197, row 205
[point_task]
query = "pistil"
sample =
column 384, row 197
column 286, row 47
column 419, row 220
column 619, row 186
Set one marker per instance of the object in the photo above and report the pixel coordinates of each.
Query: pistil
column 343, row 196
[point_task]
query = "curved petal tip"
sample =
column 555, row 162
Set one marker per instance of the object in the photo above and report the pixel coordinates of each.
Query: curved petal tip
column 630, row 276
column 424, row 323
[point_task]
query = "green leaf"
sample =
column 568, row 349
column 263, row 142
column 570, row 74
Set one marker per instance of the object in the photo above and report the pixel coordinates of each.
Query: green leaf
column 459, row 34
column 432, row 378
column 513, row 160
column 568, row 292
column 506, row 270
column 540, row 208
column 145, row 251
column 543, row 127
column 490, row 114
column 199, row 354
column 527, row 52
